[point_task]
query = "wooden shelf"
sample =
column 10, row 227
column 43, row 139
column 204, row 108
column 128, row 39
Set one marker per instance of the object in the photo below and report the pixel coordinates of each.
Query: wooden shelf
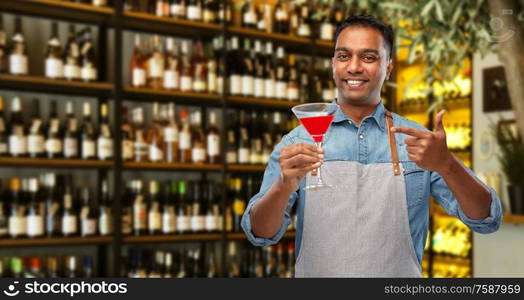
column 242, row 236
column 69, row 11
column 197, row 237
column 240, row 101
column 141, row 21
column 514, row 219
column 172, row 167
column 324, row 48
column 42, row 84
column 292, row 42
column 58, row 241
column 189, row 98
column 54, row 163
column 246, row 168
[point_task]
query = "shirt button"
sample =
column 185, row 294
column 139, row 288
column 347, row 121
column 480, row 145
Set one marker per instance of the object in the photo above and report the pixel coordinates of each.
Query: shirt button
column 361, row 136
column 350, row 122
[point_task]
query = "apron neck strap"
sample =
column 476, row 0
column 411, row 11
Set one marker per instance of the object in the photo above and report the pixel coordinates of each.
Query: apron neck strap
column 392, row 143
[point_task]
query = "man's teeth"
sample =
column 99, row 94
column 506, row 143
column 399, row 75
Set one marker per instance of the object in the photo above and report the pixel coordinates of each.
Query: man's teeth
column 355, row 81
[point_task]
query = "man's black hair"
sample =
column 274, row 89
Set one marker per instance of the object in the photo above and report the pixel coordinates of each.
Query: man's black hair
column 368, row 21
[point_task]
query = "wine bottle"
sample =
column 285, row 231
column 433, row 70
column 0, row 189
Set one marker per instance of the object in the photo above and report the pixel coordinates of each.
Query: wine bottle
column 235, row 69
column 248, row 70
column 269, row 72
column 186, row 74
column 183, row 220
column 231, row 140
column 209, row 11
column 3, row 131
column 141, row 149
column 281, row 18
column 35, row 138
column 244, row 141
column 197, row 208
column 36, row 210
column 18, row 62
column 127, row 208
column 3, row 48
column 194, row 10
column 155, row 137
column 169, row 208
column 54, row 138
column 185, row 138
column 156, row 65
column 172, row 68
column 138, row 65
column 54, row 67
column 105, row 137
column 213, row 140
column 198, row 140
column 127, row 136
column 71, row 58
column 171, row 136
column 212, row 68
column 304, row 21
column 87, row 142
column 200, row 68
column 258, row 73
column 255, row 150
column 178, row 9
column 281, row 72
column 140, row 212
column 292, row 83
column 249, row 15
column 88, row 67
column 212, row 218
column 88, row 217
column 71, row 137
column 105, row 219
column 53, row 217
column 239, row 205
column 69, row 214
column 17, row 134
column 154, row 219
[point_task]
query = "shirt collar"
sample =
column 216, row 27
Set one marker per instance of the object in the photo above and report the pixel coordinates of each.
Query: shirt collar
column 378, row 115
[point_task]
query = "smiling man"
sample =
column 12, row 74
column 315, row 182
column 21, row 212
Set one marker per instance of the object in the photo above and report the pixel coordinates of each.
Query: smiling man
column 383, row 168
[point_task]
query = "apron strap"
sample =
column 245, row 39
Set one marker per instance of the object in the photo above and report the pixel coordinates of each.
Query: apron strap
column 392, row 143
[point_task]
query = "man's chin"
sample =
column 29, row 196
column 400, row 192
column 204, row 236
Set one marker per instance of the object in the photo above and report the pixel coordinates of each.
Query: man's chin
column 355, row 99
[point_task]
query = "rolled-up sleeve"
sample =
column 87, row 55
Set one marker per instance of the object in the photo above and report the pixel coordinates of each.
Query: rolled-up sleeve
column 443, row 195
column 271, row 173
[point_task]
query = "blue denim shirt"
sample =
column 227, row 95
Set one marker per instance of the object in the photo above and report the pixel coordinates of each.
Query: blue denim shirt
column 367, row 144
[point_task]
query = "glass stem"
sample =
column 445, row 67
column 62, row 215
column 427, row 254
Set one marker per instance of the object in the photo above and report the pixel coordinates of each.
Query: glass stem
column 319, row 176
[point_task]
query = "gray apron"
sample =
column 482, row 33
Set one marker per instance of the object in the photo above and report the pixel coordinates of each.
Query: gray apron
column 359, row 227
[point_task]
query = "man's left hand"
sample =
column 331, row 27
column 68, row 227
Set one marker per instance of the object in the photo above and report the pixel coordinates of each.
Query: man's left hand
column 428, row 149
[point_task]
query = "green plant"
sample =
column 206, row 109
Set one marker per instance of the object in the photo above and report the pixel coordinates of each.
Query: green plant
column 511, row 155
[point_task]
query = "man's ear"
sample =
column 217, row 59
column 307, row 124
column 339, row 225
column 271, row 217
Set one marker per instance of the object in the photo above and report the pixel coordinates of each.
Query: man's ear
column 389, row 68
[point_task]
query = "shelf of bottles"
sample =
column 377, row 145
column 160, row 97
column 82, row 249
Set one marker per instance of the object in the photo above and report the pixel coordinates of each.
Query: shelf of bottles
column 52, row 266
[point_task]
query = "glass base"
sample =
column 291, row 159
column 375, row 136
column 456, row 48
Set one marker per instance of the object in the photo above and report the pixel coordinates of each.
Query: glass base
column 318, row 186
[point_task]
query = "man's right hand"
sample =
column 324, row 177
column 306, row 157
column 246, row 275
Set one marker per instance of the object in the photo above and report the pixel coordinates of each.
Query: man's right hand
column 296, row 161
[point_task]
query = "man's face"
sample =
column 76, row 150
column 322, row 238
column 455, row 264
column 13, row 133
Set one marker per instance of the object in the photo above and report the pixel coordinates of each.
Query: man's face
column 360, row 65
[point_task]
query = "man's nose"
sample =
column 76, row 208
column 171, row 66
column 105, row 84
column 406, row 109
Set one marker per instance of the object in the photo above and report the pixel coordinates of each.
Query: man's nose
column 354, row 66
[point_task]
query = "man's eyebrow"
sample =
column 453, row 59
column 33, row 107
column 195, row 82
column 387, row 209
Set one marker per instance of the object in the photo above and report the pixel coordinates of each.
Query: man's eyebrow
column 365, row 50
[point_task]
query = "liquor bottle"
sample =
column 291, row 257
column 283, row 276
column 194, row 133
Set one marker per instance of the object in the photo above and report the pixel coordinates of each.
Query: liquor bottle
column 186, row 74
column 239, row 205
column 258, row 65
column 209, row 11
column 281, row 18
column 155, row 65
column 16, row 267
column 71, row 267
column 327, row 29
column 169, row 208
column 18, row 62
column 249, row 15
column 52, row 267
column 87, row 267
column 196, row 266
column 158, row 265
column 280, row 268
column 88, row 217
column 178, row 9
column 155, row 137
column 243, row 140
column 169, row 266
column 71, row 59
column 17, row 135
column 262, row 23
column 328, row 86
column 303, row 87
column 88, row 67
column 235, row 69
column 154, row 214
column 212, row 217
column 281, row 72
column 3, row 48
column 36, row 211
column 269, row 72
column 185, row 138
column 231, row 141
column 211, row 265
column 53, row 217
column 3, row 130
column 140, row 212
column 54, row 67
column 213, row 140
column 127, row 208
column 54, row 138
column 69, row 214
column 255, row 150
column 161, row 8
column 127, row 136
column 233, row 270
column 70, row 142
column 290, row 273
column 200, row 68
column 105, row 137
column 212, row 67
column 183, row 220
column 224, row 12
column 87, row 142
column 105, row 219
column 267, row 138
column 172, row 68
column 171, row 136
column 294, row 15
column 292, row 83
column 248, row 70
column 304, row 21
column 35, row 137
column 35, row 270
column 197, row 208
column 228, row 212
column 141, row 149
column 338, row 10
column 198, row 140
column 138, row 65
column 194, row 10
column 183, row 271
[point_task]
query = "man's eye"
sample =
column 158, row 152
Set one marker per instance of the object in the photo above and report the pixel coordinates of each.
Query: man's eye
column 369, row 58
column 342, row 56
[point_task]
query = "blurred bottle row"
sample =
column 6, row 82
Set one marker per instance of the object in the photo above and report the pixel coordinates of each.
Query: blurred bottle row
column 70, row 266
